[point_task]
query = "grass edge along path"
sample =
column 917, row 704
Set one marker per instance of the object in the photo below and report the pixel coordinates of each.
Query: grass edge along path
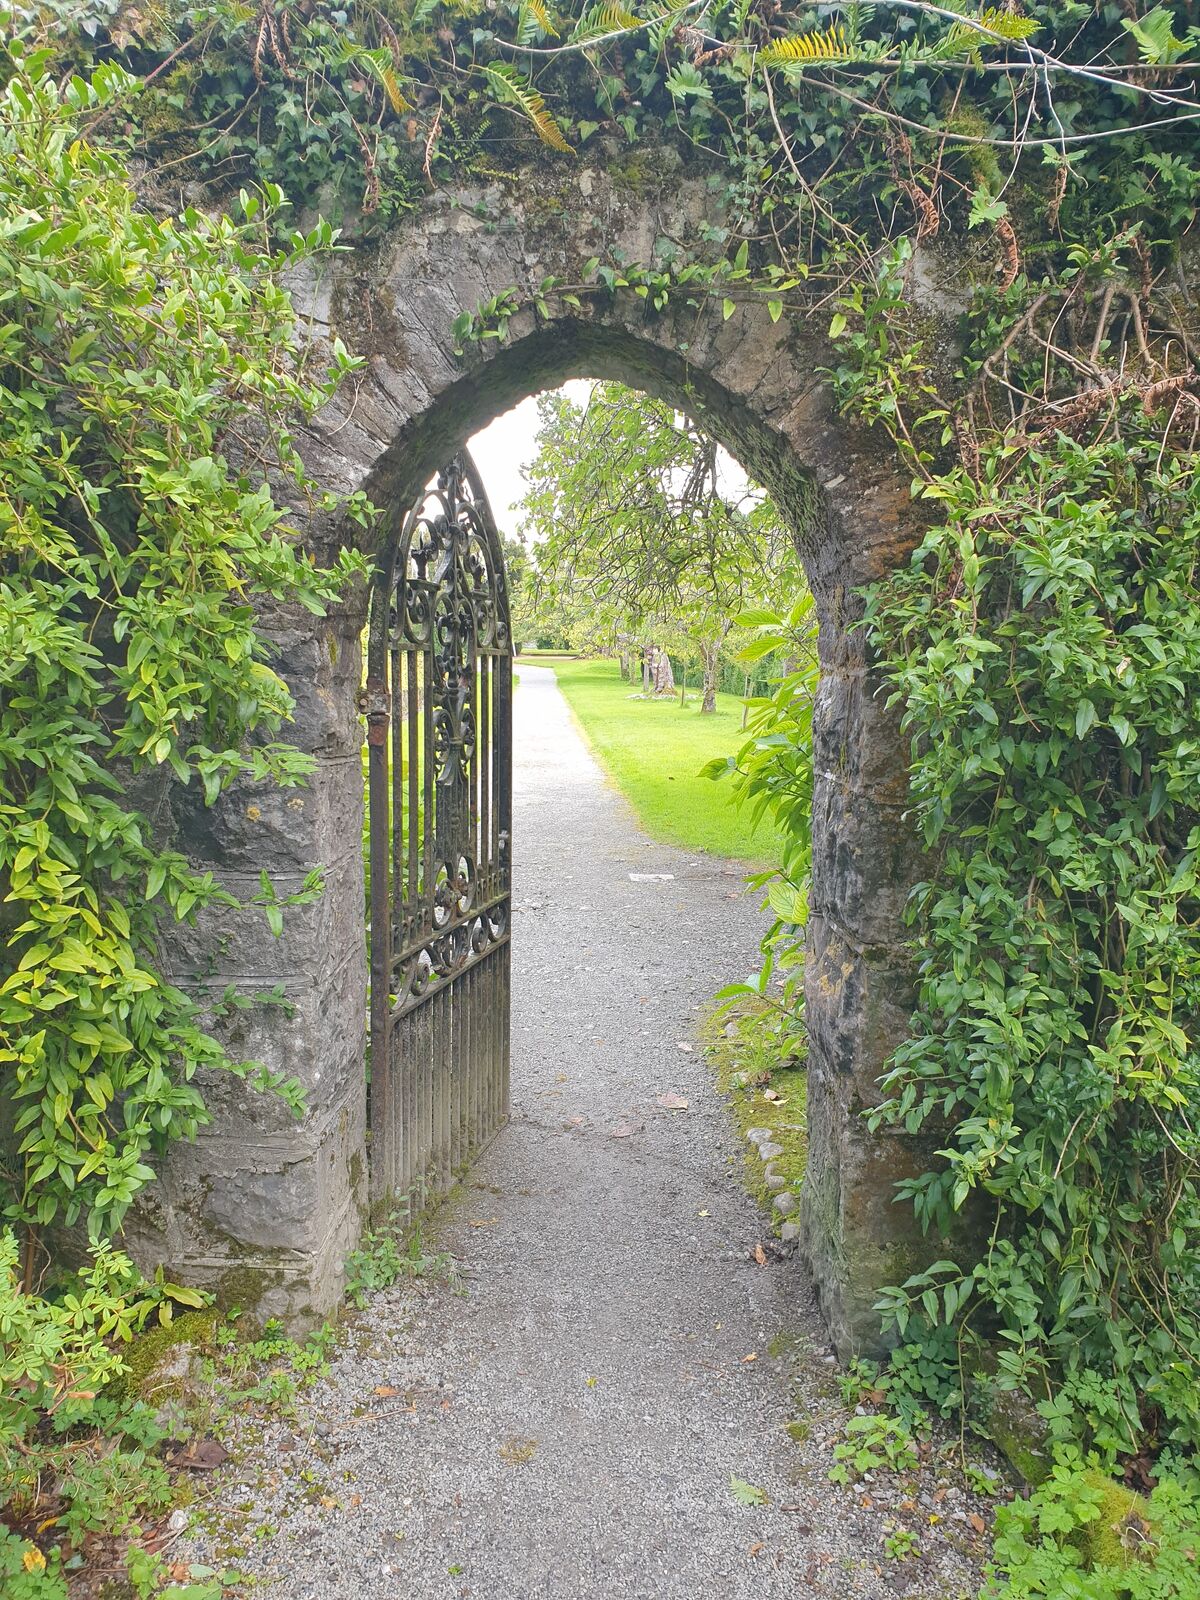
column 653, row 750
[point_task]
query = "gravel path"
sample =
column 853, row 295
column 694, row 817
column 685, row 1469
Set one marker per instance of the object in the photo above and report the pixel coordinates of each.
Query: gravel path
column 565, row 1422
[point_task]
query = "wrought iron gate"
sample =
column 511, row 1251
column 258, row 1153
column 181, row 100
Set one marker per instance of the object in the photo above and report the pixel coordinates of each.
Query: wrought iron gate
column 439, row 732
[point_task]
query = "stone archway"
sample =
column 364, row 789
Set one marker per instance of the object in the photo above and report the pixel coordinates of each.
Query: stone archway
column 266, row 1209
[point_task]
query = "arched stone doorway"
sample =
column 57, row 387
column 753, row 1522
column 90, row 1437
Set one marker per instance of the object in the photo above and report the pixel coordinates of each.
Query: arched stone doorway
column 267, row 1209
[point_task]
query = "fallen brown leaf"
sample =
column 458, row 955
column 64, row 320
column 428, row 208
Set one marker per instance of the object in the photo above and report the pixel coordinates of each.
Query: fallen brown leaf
column 760, row 1255
column 673, row 1102
column 624, row 1129
column 753, row 1356
column 756, row 1549
column 198, row 1455
column 385, row 1391
column 482, row 1222
column 977, row 1522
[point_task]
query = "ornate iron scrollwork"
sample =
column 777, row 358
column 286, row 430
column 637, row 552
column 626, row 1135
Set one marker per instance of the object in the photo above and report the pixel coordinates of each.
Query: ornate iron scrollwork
column 438, row 708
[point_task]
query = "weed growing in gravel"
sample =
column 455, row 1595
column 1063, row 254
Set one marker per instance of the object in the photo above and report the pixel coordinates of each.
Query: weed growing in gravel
column 901, row 1543
column 383, row 1258
column 874, row 1442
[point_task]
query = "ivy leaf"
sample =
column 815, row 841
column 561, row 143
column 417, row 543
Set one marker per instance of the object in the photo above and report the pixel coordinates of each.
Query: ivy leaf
column 985, row 208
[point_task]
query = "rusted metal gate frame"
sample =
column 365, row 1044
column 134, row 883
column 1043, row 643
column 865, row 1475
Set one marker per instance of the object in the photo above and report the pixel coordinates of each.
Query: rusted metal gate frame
column 439, row 732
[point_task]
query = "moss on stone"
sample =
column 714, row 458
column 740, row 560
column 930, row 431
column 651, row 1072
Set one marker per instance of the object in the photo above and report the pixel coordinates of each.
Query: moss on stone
column 1107, row 1541
column 242, row 1287
column 152, row 1352
column 1019, row 1434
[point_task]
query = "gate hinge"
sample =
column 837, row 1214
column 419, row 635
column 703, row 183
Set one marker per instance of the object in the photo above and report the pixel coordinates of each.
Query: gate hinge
column 376, row 702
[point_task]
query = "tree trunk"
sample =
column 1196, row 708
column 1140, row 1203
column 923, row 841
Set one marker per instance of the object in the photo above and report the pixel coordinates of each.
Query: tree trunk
column 647, row 654
column 710, row 656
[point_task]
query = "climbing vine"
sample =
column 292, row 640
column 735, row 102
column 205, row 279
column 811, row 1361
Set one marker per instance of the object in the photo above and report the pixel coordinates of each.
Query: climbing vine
column 138, row 358
column 1045, row 648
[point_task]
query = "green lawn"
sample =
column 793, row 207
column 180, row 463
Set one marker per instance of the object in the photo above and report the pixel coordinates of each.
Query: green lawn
column 654, row 750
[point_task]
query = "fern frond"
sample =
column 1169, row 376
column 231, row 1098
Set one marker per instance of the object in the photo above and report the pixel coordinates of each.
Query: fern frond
column 391, row 87
column 830, row 45
column 510, row 88
column 1008, row 24
column 379, row 63
column 665, row 21
column 970, row 35
column 608, row 17
column 532, row 17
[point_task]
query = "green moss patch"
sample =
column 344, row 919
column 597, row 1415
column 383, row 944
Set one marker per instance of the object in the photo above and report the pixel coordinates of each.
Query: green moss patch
column 150, row 1373
column 766, row 1083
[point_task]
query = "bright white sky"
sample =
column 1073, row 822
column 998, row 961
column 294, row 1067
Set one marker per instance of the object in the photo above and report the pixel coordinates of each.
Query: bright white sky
column 506, row 447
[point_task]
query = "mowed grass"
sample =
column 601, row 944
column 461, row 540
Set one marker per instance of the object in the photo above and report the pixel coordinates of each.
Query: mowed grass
column 654, row 749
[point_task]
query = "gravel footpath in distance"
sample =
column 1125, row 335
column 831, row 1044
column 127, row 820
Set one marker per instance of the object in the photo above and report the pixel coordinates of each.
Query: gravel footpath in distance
column 565, row 1422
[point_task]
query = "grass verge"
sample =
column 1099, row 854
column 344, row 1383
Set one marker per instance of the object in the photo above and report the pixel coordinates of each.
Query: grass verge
column 654, row 749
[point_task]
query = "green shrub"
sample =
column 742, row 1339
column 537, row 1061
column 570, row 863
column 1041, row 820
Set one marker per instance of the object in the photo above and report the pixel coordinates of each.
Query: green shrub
column 1048, row 666
column 134, row 351
column 60, row 1433
column 26, row 1574
column 1080, row 1536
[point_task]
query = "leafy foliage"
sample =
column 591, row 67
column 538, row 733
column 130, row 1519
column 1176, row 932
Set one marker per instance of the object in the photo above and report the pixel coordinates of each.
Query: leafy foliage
column 643, row 532
column 1043, row 660
column 1076, row 1538
column 1041, row 647
column 772, row 776
column 135, row 353
column 56, row 1357
column 874, row 1442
